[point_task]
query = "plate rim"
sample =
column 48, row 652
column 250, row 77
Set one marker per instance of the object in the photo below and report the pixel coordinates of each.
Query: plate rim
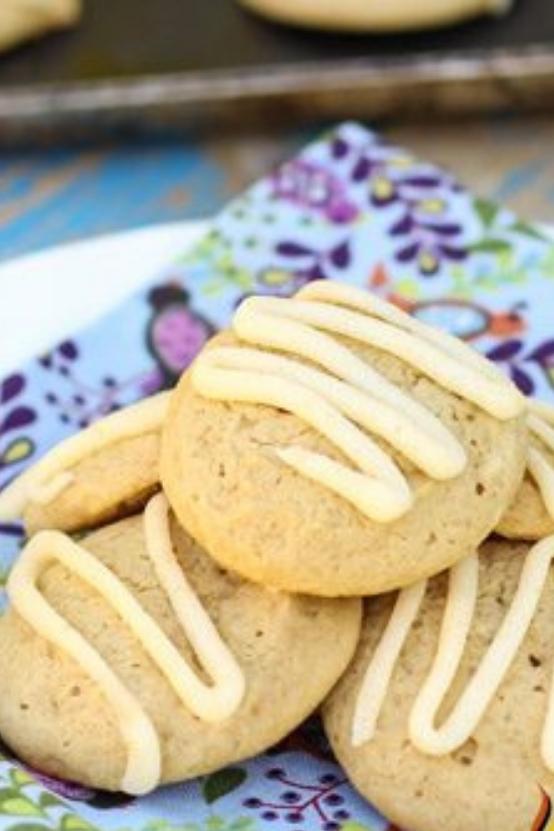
column 65, row 295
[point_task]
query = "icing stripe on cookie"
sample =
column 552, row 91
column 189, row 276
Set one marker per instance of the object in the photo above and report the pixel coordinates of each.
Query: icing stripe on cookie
column 50, row 476
column 487, row 678
column 379, row 672
column 337, row 393
column 541, row 424
column 209, row 702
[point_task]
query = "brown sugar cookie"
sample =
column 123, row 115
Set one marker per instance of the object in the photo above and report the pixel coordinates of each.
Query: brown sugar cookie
column 332, row 445
column 104, row 472
column 413, row 751
column 23, row 20
column 374, row 15
column 203, row 673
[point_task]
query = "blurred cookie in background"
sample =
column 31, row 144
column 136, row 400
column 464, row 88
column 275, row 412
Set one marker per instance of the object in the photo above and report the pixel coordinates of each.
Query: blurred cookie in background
column 22, row 20
column 374, row 15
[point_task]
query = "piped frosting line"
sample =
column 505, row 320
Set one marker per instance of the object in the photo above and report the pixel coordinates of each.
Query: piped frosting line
column 142, row 772
column 218, row 700
column 381, row 491
column 343, row 398
column 445, row 359
column 483, row 685
column 541, row 424
column 375, row 417
column 210, row 703
column 379, row 672
column 52, row 474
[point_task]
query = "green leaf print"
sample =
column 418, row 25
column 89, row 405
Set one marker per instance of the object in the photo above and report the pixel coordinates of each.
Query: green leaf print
column 352, row 825
column 490, row 246
column 528, row 231
column 20, row 777
column 48, row 800
column 546, row 267
column 486, row 210
column 28, row 826
column 210, row 824
column 223, row 782
column 14, row 803
column 71, row 822
column 242, row 824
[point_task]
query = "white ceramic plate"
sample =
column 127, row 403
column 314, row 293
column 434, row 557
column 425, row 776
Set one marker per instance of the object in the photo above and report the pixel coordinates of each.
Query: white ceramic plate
column 50, row 294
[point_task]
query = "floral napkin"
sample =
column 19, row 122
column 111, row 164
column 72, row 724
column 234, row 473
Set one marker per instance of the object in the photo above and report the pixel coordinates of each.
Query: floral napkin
column 349, row 207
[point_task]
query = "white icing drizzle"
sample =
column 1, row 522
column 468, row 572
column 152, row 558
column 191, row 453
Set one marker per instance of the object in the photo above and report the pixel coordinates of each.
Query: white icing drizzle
column 483, row 685
column 210, row 703
column 379, row 672
column 43, row 481
column 337, row 393
column 541, row 424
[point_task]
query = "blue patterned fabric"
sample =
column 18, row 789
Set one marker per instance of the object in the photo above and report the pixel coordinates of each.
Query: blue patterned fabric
column 350, row 207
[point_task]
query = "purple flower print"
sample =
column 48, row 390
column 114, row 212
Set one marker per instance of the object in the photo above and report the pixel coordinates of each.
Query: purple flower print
column 423, row 231
column 509, row 354
column 11, row 387
column 15, row 446
column 426, row 243
column 81, row 402
column 311, row 264
column 519, row 362
column 15, row 417
column 174, row 335
column 314, row 187
column 302, row 265
column 61, row 357
column 424, row 236
column 543, row 356
column 11, row 529
column 276, row 282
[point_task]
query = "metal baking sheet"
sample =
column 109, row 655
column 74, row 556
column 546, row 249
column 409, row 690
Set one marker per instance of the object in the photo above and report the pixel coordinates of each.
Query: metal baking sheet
column 136, row 62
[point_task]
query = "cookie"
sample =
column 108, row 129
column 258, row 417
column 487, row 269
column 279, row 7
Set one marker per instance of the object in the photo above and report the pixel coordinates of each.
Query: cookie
column 444, row 732
column 374, row 15
column 23, row 20
column 104, row 472
column 531, row 515
column 332, row 445
column 171, row 667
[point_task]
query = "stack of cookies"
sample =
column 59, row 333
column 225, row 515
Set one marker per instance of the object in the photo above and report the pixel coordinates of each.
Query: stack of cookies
column 337, row 506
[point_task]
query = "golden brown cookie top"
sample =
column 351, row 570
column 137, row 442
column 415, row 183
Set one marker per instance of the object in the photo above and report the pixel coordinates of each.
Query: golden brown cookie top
column 102, row 473
column 130, row 658
column 374, row 16
column 334, row 422
column 460, row 705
